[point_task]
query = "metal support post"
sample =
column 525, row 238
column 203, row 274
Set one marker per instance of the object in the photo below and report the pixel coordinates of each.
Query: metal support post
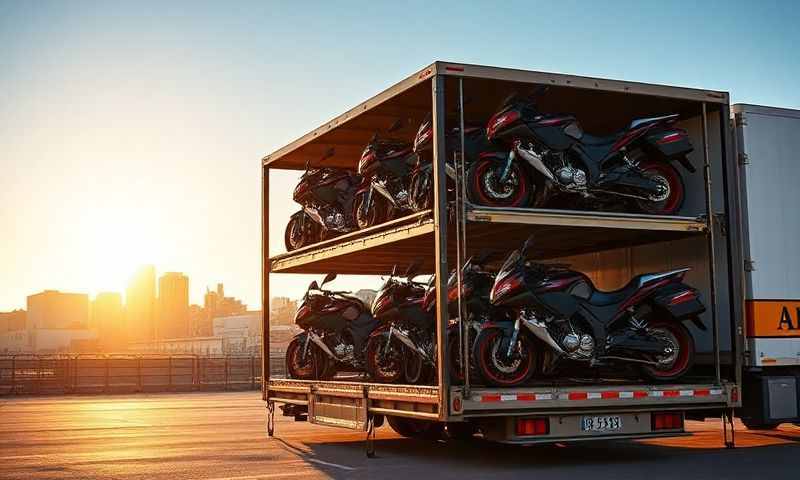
column 270, row 418
column 440, row 219
column 370, row 443
column 265, row 313
column 711, row 245
column 461, row 219
column 252, row 373
column 728, row 428
column 107, row 380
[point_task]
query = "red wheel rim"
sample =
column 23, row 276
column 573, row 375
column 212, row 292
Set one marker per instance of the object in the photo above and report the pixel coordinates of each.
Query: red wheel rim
column 676, row 191
column 684, row 346
column 293, row 357
column 486, row 360
column 515, row 200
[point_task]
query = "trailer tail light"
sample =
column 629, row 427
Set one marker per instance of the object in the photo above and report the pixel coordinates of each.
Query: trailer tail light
column 527, row 427
column 667, row 421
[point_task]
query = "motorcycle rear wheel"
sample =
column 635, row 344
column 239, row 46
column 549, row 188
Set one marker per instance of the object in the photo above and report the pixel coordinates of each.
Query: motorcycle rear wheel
column 671, row 180
column 499, row 371
column 677, row 333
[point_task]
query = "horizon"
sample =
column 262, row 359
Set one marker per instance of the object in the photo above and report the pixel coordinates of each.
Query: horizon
column 123, row 152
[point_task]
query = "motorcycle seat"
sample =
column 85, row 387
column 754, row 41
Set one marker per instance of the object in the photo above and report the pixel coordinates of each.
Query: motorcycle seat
column 592, row 140
column 600, row 298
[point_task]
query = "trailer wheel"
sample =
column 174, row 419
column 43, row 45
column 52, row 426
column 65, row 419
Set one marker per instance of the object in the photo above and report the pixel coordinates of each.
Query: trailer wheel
column 755, row 425
column 461, row 431
column 413, row 428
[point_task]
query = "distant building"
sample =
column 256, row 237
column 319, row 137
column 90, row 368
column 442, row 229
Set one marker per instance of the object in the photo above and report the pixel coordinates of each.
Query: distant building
column 52, row 309
column 173, row 306
column 282, row 311
column 196, row 318
column 140, row 305
column 15, row 341
column 192, row 345
column 108, row 320
column 216, row 304
column 12, row 321
column 367, row 296
column 240, row 333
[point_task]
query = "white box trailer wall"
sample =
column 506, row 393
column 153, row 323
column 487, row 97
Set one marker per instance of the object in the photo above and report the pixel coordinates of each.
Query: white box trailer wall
column 768, row 143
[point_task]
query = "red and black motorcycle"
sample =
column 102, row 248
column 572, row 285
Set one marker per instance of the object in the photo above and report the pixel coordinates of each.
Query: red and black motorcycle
column 326, row 195
column 421, row 186
column 385, row 166
column 553, row 306
column 336, row 327
column 549, row 154
column 403, row 349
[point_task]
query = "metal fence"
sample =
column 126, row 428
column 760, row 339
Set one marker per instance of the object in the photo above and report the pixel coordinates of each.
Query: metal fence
column 53, row 374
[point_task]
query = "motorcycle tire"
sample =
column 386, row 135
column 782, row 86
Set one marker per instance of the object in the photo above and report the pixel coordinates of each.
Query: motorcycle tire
column 381, row 368
column 421, row 191
column 499, row 371
column 311, row 368
column 374, row 216
column 669, row 176
column 294, row 238
column 482, row 188
column 685, row 358
column 413, row 428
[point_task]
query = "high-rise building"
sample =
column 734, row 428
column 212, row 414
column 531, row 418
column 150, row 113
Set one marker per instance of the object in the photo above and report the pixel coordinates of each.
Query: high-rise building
column 56, row 310
column 140, row 305
column 108, row 320
column 173, row 306
column 216, row 304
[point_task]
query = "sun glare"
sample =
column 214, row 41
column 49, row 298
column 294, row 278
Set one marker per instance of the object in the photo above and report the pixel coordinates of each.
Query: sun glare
column 115, row 242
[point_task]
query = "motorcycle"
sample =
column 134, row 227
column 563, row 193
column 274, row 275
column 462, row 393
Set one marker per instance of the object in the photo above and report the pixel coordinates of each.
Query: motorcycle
column 549, row 154
column 641, row 324
column 336, row 327
column 476, row 283
column 385, row 165
column 326, row 195
column 404, row 347
column 421, row 186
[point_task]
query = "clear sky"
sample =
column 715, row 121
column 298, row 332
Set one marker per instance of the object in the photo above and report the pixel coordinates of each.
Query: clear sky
column 131, row 132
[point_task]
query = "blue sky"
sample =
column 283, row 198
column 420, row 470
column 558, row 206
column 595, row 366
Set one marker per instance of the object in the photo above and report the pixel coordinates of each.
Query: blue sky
column 121, row 123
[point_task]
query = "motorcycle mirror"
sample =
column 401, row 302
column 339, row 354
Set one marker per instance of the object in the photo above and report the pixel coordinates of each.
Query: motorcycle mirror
column 313, row 286
column 328, row 278
column 395, row 126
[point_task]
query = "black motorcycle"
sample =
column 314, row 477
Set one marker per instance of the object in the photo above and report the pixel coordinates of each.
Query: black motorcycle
column 559, row 312
column 421, row 187
column 336, row 328
column 385, row 166
column 326, row 195
column 404, row 347
column 549, row 154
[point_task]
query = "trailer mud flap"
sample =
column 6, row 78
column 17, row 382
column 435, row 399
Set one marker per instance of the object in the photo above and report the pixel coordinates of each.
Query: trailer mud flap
column 339, row 406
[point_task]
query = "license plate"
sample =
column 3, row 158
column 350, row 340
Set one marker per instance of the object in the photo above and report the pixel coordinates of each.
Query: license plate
column 603, row 423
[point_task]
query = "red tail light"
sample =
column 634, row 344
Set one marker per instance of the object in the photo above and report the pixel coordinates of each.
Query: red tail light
column 527, row 427
column 667, row 421
column 671, row 138
column 500, row 121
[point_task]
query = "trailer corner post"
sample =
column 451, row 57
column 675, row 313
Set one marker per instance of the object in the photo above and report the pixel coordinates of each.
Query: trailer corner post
column 440, row 220
column 265, row 282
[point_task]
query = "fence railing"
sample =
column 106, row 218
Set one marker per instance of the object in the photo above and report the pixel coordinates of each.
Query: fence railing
column 49, row 374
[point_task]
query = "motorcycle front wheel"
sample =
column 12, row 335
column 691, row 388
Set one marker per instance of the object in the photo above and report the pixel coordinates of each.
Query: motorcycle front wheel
column 375, row 214
column 679, row 361
column 385, row 363
column 298, row 235
column 485, row 188
column 309, row 366
column 670, row 199
column 499, row 369
column 421, row 191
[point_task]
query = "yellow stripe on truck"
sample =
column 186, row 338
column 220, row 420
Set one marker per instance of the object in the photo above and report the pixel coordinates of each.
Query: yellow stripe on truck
column 773, row 318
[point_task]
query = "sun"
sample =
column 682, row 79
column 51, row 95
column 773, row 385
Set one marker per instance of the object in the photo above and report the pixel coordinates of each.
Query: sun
column 116, row 240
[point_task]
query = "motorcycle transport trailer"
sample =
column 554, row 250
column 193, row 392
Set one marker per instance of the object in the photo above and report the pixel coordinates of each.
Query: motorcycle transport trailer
column 610, row 247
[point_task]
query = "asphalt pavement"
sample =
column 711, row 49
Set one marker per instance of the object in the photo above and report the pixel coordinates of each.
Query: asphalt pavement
column 221, row 436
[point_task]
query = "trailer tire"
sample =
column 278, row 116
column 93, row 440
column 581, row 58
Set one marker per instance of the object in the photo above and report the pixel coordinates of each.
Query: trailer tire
column 413, row 428
column 461, row 431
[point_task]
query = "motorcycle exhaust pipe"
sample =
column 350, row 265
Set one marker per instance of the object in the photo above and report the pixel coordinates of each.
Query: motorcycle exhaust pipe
column 535, row 160
column 540, row 330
